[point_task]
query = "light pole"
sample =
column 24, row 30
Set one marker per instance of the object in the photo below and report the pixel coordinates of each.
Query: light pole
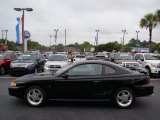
column 2, row 34
column 50, row 40
column 23, row 10
column 124, row 32
column 56, row 30
column 137, row 34
column 6, row 37
column 65, row 37
column 97, row 38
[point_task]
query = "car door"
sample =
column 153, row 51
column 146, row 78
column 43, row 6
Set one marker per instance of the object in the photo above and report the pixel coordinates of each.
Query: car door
column 82, row 81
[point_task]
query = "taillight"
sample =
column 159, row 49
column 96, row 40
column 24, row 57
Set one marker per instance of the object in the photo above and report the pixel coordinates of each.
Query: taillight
column 147, row 79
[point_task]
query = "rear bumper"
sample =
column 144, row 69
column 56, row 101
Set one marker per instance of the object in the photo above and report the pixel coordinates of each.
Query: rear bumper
column 144, row 90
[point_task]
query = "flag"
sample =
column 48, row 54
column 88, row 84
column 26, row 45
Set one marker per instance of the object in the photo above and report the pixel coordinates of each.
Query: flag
column 18, row 31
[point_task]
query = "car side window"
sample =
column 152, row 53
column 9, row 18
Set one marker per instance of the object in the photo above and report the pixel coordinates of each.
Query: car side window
column 141, row 57
column 137, row 57
column 86, row 70
column 108, row 70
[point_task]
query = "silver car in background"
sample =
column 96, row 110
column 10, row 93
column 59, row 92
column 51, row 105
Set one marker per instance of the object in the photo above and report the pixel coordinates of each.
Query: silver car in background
column 79, row 57
column 55, row 62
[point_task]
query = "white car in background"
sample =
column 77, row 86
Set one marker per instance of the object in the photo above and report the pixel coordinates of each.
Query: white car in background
column 55, row 62
column 79, row 57
column 150, row 61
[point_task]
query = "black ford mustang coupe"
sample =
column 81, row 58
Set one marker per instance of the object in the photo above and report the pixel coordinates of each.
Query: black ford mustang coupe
column 85, row 80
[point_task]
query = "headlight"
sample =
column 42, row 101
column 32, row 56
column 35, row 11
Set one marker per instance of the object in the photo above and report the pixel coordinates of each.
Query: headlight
column 13, row 84
column 154, row 65
column 46, row 65
column 12, row 65
column 28, row 64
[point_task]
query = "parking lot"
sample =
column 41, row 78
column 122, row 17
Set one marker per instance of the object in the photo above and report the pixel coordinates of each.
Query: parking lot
column 146, row 108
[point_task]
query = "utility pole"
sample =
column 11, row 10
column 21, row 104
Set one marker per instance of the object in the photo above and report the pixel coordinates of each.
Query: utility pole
column 124, row 32
column 56, row 30
column 50, row 40
column 137, row 34
column 2, row 34
column 65, row 37
column 6, row 37
column 97, row 38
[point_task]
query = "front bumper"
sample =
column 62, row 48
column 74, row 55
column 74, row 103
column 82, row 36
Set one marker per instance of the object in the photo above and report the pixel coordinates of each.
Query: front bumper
column 144, row 90
column 20, row 71
column 155, row 70
column 16, row 91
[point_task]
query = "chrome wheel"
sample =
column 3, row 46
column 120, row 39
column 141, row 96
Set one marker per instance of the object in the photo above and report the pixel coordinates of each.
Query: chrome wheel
column 35, row 96
column 124, row 97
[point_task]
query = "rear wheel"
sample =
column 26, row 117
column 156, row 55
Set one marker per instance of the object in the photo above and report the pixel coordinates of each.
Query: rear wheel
column 2, row 70
column 124, row 98
column 35, row 96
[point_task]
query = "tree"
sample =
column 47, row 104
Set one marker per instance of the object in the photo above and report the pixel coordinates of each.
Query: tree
column 158, row 15
column 59, row 47
column 149, row 21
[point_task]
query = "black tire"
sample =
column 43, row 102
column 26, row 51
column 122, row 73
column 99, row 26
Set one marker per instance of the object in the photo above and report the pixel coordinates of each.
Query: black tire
column 149, row 71
column 2, row 70
column 123, row 98
column 35, row 96
column 35, row 70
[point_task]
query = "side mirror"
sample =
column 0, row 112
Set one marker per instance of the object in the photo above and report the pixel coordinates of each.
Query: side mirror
column 65, row 75
column 112, row 59
column 142, row 59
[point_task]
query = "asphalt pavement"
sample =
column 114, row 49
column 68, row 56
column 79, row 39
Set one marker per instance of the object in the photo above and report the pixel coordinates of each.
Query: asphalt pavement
column 11, row 108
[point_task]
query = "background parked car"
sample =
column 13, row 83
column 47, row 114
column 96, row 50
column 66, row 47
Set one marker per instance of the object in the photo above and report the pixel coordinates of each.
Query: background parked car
column 150, row 61
column 90, row 56
column 124, row 59
column 55, row 62
column 79, row 57
column 27, row 63
column 101, row 56
column 5, row 60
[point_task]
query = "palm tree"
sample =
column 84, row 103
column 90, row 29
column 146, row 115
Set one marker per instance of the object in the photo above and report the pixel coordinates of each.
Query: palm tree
column 149, row 21
column 158, row 15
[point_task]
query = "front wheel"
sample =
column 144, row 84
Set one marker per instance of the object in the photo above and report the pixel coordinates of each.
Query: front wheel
column 35, row 96
column 124, row 98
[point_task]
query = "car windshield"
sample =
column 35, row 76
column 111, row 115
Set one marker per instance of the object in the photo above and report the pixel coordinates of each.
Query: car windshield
column 57, row 58
column 150, row 57
column 124, row 57
column 24, row 57
column 1, row 57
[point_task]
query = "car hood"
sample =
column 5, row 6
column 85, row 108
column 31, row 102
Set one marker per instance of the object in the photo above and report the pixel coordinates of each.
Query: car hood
column 153, row 61
column 35, row 76
column 121, row 61
column 61, row 63
column 22, row 61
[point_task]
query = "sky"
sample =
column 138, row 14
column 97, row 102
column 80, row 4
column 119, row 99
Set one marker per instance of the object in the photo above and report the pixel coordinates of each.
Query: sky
column 80, row 18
